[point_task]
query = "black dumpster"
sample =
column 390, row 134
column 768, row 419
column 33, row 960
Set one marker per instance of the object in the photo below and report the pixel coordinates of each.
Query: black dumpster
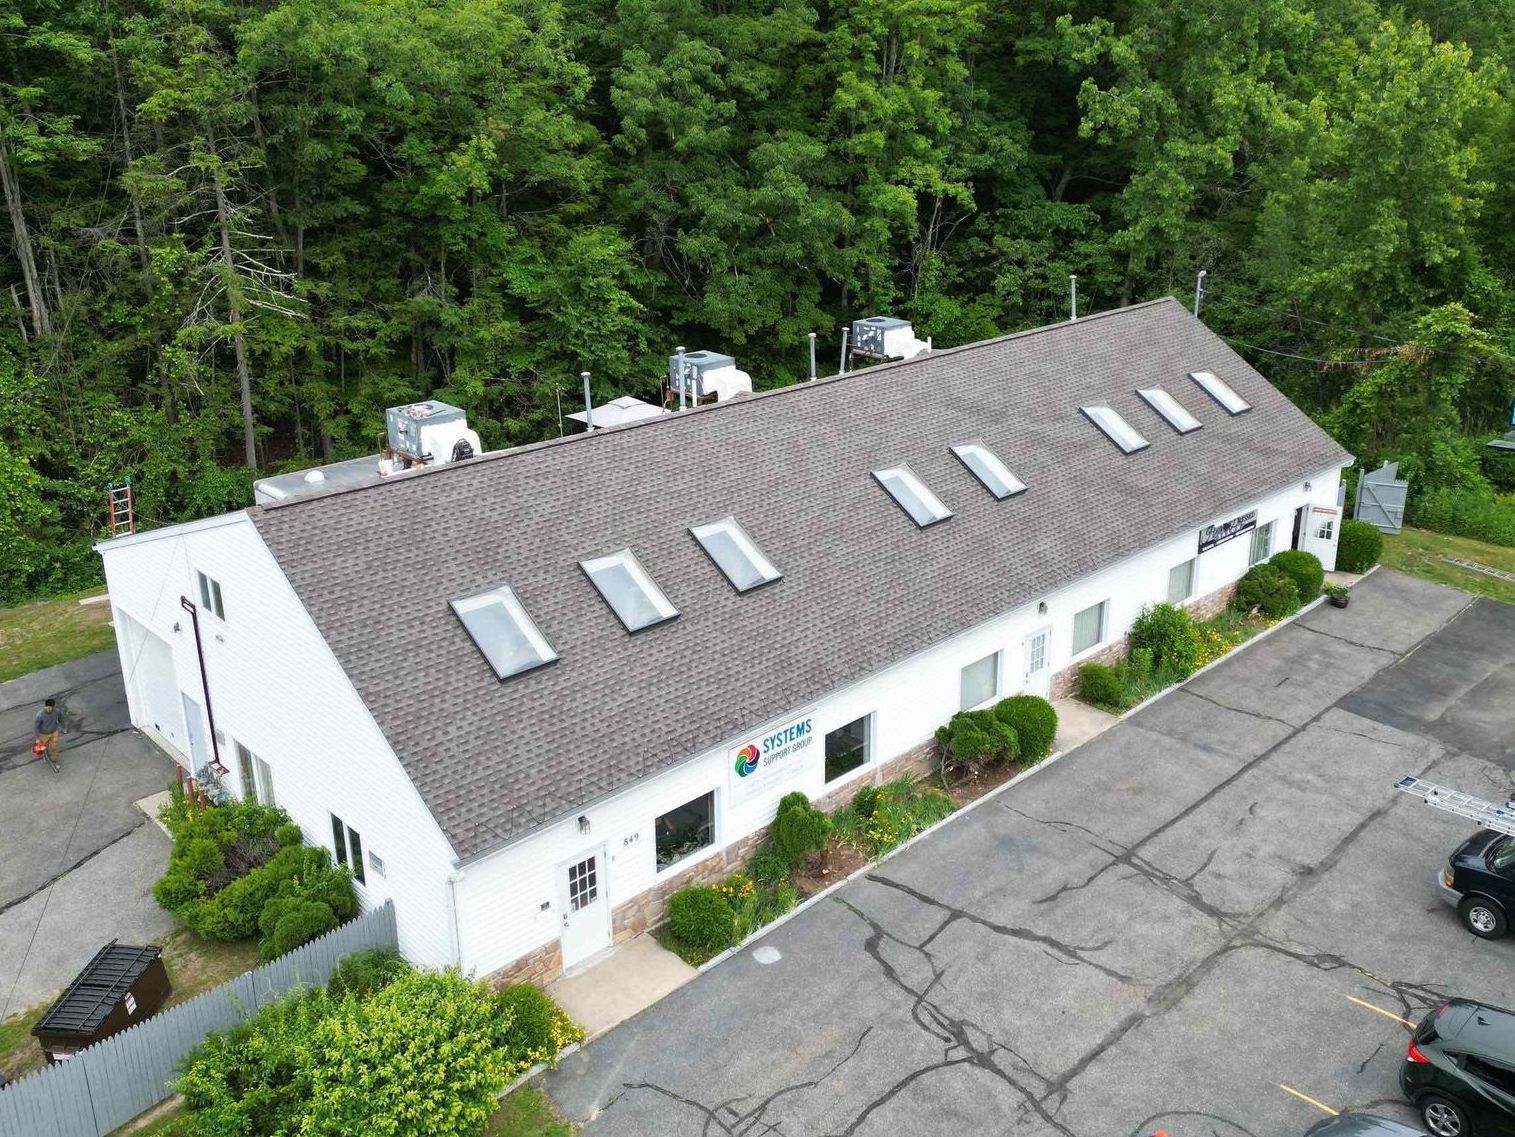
column 120, row 987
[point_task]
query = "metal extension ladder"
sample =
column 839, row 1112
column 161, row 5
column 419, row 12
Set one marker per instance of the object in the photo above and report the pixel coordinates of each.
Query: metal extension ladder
column 123, row 514
column 1491, row 815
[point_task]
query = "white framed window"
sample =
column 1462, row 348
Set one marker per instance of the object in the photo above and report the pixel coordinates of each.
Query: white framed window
column 348, row 847
column 210, row 596
column 1089, row 628
column 265, row 781
column 978, row 683
column 1262, row 544
column 1181, row 582
column 685, row 831
column 632, row 595
column 847, row 747
column 1325, row 528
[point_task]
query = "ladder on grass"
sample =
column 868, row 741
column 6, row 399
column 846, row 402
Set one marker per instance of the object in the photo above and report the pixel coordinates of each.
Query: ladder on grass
column 123, row 514
column 1491, row 815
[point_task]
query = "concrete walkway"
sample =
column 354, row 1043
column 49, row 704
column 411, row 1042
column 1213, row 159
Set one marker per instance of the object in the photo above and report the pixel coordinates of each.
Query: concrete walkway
column 635, row 975
column 1078, row 722
column 77, row 859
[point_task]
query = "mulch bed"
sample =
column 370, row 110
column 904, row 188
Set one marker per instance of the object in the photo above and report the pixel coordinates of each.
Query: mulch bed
column 841, row 861
column 977, row 785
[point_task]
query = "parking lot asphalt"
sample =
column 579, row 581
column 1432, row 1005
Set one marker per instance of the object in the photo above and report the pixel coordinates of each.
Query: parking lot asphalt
column 1217, row 898
column 77, row 859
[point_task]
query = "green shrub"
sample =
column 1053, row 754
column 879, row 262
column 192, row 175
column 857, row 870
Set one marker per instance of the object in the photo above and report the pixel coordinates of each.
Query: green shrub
column 973, row 737
column 768, row 867
column 700, row 918
column 903, row 809
column 799, row 829
column 1138, row 666
column 1303, row 569
column 1101, row 686
column 176, row 889
column 1268, row 590
column 532, row 1016
column 425, row 1055
column 865, row 801
column 1361, row 546
column 288, row 835
column 1035, row 724
column 364, row 972
column 1166, row 631
column 291, row 921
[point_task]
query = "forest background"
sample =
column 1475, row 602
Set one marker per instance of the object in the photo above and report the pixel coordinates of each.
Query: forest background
column 235, row 231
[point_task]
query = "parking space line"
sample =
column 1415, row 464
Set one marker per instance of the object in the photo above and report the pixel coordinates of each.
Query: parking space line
column 1307, row 1098
column 1386, row 1014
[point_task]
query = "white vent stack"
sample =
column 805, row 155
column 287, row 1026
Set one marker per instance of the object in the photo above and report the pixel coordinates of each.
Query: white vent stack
column 885, row 337
column 431, row 433
column 700, row 376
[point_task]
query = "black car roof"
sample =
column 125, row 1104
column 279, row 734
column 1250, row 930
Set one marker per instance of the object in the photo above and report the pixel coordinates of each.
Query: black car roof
column 1362, row 1125
column 1484, row 1030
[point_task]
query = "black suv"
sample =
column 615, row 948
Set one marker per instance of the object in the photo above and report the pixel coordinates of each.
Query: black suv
column 1459, row 1070
column 1479, row 881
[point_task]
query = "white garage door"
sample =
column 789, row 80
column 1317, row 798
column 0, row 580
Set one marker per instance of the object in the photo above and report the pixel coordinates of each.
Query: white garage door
column 154, row 686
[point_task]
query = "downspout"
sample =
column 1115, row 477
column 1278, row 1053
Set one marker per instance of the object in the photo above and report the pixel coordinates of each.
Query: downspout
column 210, row 715
column 453, row 930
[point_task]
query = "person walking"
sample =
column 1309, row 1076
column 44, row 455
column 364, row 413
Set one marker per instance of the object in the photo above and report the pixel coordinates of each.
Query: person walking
column 50, row 728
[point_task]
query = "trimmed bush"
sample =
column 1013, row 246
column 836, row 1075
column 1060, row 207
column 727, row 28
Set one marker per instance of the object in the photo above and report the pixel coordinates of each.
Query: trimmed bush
column 768, row 867
column 364, row 972
column 700, row 918
column 1361, row 546
column 287, row 835
column 973, row 737
column 1166, row 631
column 1268, row 590
column 291, row 921
column 1034, row 722
column 176, row 889
column 1303, row 569
column 799, row 829
column 1101, row 686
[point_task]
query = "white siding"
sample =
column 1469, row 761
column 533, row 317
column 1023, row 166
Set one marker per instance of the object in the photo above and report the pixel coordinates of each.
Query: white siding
column 508, row 902
column 277, row 689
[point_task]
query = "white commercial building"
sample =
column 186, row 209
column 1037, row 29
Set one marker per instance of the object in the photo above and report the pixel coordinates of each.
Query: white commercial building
column 526, row 695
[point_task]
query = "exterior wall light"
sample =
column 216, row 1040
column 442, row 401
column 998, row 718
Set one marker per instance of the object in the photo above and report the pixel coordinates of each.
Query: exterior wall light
column 583, row 823
column 1041, row 608
column 1307, row 487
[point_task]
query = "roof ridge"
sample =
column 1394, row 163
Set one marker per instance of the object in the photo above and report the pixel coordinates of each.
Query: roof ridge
column 744, row 400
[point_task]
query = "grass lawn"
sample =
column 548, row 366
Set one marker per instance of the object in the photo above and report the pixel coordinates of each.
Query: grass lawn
column 46, row 632
column 528, row 1112
column 194, row 965
column 1418, row 552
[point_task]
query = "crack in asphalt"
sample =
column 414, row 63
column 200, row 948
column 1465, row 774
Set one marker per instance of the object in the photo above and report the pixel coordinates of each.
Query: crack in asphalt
column 1357, row 643
column 63, row 872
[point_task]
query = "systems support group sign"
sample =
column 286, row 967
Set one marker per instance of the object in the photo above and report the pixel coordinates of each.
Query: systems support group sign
column 770, row 758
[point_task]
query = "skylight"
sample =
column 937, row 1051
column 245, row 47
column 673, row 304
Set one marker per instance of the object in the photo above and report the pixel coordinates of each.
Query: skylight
column 502, row 631
column 734, row 554
column 923, row 506
column 1219, row 390
column 1170, row 408
column 987, row 468
column 1116, row 429
column 629, row 591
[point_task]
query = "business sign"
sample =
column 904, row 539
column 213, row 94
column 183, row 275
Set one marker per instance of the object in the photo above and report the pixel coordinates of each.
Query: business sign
column 770, row 758
column 1212, row 535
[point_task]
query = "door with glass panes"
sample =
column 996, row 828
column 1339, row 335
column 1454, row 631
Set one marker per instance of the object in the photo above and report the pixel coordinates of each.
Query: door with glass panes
column 1038, row 653
column 584, row 907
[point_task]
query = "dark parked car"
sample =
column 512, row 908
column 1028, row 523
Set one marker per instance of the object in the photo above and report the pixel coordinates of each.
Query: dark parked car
column 1361, row 1125
column 1479, row 881
column 1459, row 1070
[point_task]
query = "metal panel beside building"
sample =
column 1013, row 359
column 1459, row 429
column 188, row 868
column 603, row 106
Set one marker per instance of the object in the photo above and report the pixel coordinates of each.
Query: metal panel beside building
column 1381, row 498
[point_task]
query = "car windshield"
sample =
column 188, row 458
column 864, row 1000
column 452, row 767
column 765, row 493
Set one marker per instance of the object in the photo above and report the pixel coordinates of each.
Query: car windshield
column 1502, row 857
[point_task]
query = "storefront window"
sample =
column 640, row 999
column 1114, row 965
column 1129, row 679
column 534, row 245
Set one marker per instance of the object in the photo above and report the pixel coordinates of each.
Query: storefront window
column 979, row 683
column 1181, row 582
column 1262, row 544
column 847, row 748
column 1088, row 627
column 686, row 830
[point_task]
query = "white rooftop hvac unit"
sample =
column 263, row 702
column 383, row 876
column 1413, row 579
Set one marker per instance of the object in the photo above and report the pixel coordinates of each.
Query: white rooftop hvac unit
column 431, row 432
column 707, row 374
column 885, row 337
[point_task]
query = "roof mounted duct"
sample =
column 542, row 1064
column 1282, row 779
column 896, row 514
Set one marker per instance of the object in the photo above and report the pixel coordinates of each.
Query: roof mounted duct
column 885, row 337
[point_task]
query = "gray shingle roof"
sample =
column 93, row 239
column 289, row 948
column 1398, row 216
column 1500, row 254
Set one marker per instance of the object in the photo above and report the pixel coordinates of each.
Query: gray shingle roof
column 862, row 587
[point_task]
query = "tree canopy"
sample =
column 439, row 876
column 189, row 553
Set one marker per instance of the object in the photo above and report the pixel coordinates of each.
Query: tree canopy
column 235, row 232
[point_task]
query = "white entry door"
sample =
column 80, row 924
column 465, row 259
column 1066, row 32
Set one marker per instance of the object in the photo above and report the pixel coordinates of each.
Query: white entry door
column 1319, row 533
column 1038, row 663
column 585, row 908
column 194, row 727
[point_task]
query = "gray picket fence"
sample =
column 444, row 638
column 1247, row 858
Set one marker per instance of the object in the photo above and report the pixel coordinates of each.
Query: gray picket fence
column 106, row 1085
